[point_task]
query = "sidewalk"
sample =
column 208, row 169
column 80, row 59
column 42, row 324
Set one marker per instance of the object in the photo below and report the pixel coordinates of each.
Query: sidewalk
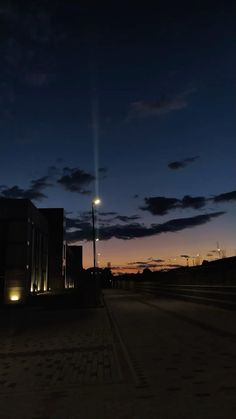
column 60, row 364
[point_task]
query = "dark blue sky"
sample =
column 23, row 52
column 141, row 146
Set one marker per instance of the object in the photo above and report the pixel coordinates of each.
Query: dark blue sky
column 156, row 86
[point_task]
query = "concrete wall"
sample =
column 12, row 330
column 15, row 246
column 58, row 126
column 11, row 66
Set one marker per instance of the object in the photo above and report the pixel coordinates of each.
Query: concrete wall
column 23, row 248
column 55, row 219
column 74, row 265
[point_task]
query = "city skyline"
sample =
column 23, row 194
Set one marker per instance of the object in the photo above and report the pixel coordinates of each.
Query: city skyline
column 133, row 105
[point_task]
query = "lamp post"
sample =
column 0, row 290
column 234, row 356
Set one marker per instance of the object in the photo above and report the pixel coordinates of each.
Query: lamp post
column 95, row 202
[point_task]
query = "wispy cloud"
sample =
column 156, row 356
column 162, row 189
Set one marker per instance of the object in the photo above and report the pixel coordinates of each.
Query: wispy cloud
column 162, row 106
column 162, row 265
column 126, row 218
column 113, row 216
column 180, row 164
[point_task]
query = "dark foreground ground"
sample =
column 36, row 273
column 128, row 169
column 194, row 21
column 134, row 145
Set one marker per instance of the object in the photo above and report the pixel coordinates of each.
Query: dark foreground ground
column 131, row 358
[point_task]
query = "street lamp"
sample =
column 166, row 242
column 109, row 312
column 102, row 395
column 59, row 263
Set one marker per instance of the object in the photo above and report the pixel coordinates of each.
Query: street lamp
column 95, row 202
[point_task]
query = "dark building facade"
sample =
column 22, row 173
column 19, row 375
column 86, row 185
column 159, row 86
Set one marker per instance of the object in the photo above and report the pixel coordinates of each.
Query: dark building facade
column 23, row 249
column 55, row 221
column 31, row 249
column 74, row 266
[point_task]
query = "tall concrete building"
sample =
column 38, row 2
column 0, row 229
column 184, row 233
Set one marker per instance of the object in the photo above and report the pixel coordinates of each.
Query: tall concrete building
column 55, row 221
column 23, row 249
column 31, row 249
column 74, row 265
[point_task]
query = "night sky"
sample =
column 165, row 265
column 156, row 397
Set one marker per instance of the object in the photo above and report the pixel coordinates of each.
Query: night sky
column 133, row 103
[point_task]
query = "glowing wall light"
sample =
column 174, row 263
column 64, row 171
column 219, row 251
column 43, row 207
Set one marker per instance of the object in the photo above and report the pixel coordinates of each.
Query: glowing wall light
column 14, row 295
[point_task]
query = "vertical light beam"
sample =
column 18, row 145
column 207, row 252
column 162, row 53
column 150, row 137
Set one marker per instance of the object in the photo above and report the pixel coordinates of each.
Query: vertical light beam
column 95, row 133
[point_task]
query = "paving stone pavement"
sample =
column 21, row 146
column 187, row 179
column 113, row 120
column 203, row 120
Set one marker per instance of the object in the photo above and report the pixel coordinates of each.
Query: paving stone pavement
column 45, row 360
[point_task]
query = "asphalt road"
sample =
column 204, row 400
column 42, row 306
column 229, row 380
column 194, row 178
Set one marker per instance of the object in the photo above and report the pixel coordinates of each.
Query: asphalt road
column 183, row 354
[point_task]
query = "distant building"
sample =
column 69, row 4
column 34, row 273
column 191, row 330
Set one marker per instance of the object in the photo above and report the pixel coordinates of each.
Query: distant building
column 31, row 249
column 74, row 265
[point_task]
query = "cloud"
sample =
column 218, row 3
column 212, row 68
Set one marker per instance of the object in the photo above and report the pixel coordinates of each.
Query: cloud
column 76, row 180
column 34, row 192
column 160, row 205
column 193, row 202
column 225, row 197
column 133, row 267
column 165, row 105
column 137, row 230
column 41, row 183
column 150, row 263
column 114, row 216
column 182, row 163
column 183, row 223
column 107, row 214
column 83, row 220
column 126, row 218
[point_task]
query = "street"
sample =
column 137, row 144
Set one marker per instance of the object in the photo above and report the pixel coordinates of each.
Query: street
column 136, row 357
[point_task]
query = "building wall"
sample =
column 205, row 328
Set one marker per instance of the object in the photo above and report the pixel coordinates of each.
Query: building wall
column 74, row 265
column 23, row 248
column 55, row 219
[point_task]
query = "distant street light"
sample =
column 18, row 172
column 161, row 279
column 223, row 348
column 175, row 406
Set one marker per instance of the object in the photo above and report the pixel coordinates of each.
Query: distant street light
column 95, row 202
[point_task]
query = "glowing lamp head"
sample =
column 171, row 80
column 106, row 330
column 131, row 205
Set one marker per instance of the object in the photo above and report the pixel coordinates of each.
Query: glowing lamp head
column 97, row 201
